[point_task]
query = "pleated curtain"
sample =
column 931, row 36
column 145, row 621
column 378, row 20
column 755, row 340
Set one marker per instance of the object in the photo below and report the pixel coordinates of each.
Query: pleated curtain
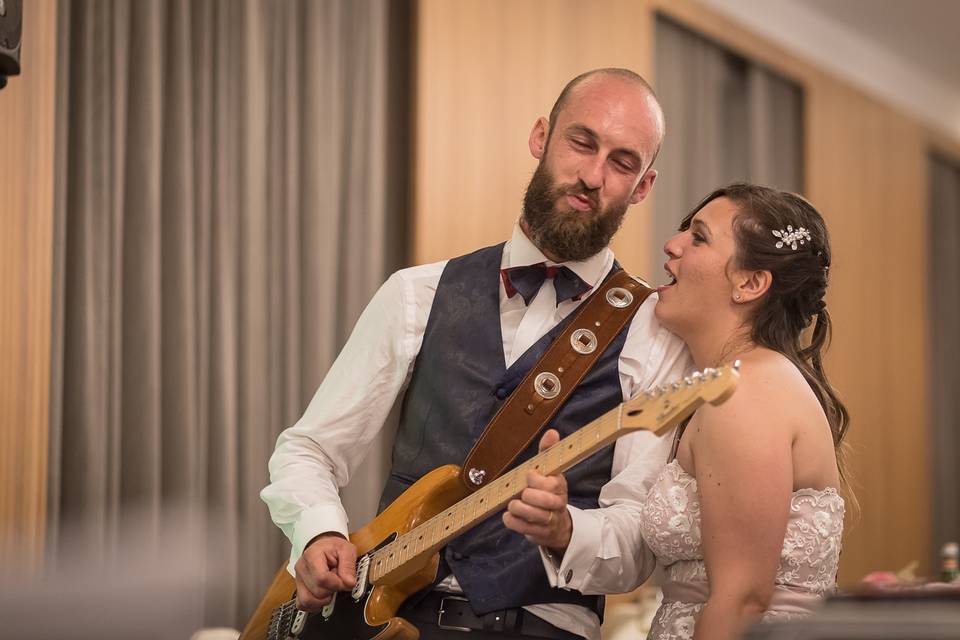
column 728, row 119
column 943, row 285
column 230, row 192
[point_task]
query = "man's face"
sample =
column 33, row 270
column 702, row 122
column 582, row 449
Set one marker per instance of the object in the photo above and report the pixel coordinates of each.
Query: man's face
column 593, row 165
column 566, row 221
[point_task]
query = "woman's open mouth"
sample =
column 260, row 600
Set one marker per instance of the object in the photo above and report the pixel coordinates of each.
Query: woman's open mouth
column 671, row 280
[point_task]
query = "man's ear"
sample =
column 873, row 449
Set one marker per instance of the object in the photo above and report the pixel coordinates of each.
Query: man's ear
column 642, row 190
column 751, row 285
column 538, row 137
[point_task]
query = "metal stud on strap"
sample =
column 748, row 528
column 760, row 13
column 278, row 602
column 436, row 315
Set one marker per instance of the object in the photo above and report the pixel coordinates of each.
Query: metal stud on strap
column 619, row 297
column 583, row 341
column 547, row 385
column 476, row 475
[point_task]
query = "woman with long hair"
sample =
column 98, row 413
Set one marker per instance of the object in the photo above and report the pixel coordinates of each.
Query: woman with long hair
column 747, row 517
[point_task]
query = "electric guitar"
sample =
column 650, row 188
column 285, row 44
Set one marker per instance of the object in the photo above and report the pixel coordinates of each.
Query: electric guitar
column 398, row 551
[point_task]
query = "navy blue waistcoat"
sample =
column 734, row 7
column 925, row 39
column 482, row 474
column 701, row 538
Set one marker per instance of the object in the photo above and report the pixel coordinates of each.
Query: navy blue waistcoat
column 458, row 384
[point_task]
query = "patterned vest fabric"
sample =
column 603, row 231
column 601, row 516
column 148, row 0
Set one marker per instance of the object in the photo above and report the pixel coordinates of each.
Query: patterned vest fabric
column 459, row 382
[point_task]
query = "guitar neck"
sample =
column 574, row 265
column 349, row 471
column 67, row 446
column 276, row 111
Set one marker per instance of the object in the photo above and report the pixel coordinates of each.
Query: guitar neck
column 657, row 410
column 436, row 532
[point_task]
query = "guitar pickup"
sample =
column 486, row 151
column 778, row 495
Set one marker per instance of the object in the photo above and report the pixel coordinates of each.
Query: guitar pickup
column 325, row 613
column 363, row 569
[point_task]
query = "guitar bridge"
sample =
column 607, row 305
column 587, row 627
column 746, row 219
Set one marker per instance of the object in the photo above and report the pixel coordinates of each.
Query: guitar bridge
column 282, row 620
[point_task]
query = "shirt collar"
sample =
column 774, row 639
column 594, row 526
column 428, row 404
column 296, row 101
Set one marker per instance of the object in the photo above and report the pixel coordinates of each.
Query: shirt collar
column 523, row 252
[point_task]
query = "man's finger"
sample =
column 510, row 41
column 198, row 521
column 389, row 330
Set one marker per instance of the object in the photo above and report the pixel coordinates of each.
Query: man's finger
column 347, row 565
column 554, row 484
column 543, row 499
column 550, row 438
column 328, row 581
column 520, row 525
column 307, row 601
column 530, row 514
column 317, row 577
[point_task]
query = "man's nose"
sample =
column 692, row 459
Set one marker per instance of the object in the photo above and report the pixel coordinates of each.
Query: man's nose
column 591, row 173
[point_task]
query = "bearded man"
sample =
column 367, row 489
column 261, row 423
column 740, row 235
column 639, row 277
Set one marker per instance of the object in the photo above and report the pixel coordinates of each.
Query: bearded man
column 455, row 338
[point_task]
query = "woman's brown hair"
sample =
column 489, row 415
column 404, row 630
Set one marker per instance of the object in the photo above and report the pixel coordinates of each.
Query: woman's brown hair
column 795, row 299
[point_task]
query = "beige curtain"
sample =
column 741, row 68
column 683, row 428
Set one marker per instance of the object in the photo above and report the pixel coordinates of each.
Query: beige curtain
column 944, row 288
column 727, row 119
column 230, row 194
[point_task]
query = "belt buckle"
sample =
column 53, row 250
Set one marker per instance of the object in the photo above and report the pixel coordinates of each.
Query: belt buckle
column 449, row 627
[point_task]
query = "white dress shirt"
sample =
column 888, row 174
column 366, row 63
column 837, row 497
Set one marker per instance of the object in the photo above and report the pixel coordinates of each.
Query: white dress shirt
column 320, row 453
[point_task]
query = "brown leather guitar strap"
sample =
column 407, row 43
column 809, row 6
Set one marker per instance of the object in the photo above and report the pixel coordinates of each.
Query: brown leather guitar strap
column 554, row 377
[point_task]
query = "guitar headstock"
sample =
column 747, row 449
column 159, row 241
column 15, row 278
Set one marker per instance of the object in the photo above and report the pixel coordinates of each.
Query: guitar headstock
column 661, row 409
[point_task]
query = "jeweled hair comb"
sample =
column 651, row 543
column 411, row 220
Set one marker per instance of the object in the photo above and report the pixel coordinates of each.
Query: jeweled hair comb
column 789, row 237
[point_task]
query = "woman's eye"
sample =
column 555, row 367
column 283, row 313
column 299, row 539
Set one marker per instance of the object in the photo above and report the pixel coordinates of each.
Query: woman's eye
column 697, row 238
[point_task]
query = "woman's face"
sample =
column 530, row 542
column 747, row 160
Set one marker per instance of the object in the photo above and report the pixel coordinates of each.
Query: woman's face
column 700, row 261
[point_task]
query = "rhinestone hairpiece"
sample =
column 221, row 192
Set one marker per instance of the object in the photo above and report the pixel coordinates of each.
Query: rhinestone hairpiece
column 790, row 238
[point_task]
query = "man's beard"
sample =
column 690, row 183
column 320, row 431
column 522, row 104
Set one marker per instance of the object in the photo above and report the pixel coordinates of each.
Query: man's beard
column 566, row 233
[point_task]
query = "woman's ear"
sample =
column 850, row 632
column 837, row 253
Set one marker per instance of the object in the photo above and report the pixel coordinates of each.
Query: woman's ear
column 751, row 285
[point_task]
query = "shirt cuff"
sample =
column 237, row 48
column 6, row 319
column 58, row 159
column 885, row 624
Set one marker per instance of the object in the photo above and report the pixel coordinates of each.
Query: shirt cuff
column 581, row 553
column 321, row 518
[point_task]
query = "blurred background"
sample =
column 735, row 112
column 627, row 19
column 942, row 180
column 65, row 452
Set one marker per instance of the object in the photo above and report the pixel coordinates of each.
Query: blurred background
column 197, row 198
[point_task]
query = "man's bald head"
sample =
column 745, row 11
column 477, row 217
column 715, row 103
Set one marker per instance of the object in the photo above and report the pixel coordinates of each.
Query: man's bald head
column 571, row 89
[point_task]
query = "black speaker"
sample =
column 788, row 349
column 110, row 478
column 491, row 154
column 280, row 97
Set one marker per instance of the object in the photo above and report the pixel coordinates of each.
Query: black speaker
column 11, row 25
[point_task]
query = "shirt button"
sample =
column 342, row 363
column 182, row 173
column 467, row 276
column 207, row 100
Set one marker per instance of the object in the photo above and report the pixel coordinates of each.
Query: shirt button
column 569, row 576
column 502, row 393
column 457, row 555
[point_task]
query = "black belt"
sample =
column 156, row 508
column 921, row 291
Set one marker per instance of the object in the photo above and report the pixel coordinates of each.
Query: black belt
column 451, row 612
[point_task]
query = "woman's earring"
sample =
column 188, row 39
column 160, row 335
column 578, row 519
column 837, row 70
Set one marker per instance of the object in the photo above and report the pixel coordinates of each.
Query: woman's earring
column 736, row 297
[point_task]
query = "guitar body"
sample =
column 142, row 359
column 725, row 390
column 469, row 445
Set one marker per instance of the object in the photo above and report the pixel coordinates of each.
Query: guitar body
column 373, row 617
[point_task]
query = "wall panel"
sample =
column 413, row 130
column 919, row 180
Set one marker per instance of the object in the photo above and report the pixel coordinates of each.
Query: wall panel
column 867, row 173
column 485, row 72
column 26, row 240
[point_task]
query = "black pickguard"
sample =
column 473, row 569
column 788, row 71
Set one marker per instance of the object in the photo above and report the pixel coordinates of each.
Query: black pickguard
column 347, row 621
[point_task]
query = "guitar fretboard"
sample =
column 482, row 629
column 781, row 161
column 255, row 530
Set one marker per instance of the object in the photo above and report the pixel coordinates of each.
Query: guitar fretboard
column 444, row 527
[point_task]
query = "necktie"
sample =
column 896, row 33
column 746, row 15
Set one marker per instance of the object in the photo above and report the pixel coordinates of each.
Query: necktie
column 527, row 282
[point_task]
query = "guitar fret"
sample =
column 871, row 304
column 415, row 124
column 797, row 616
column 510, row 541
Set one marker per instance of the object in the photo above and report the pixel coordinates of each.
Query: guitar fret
column 473, row 507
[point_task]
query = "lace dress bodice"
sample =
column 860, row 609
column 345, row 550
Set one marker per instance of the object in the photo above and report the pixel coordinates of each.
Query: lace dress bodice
column 670, row 523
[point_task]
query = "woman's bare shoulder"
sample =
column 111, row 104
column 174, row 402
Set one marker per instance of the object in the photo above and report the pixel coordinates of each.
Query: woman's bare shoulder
column 770, row 394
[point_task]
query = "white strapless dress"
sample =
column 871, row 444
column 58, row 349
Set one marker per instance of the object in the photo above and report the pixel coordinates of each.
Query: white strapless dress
column 670, row 523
